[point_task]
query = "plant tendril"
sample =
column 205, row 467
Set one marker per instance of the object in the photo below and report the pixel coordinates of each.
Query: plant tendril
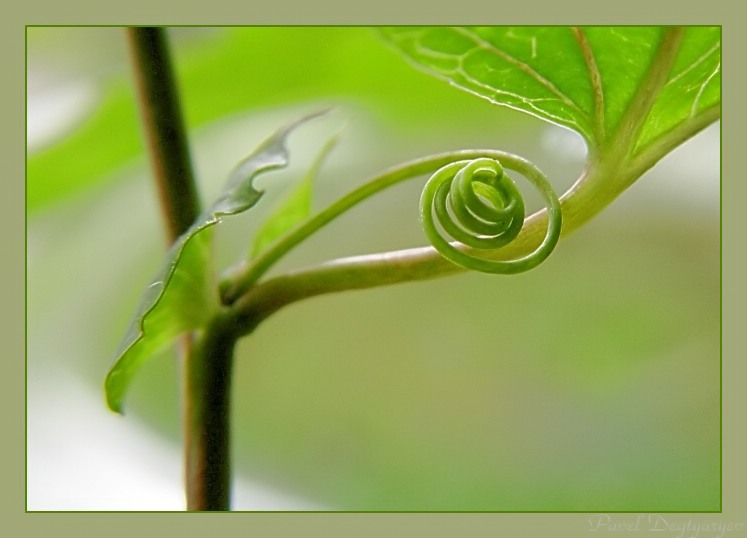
column 485, row 199
column 478, row 204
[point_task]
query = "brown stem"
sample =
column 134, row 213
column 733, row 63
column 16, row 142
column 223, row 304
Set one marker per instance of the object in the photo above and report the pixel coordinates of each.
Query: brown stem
column 208, row 461
column 164, row 129
column 208, row 359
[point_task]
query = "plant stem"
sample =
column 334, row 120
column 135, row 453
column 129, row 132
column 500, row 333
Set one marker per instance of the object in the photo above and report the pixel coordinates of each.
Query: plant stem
column 207, row 367
column 243, row 282
column 367, row 271
column 207, row 437
column 164, row 129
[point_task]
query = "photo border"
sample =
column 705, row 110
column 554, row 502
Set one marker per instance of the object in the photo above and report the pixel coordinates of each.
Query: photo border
column 341, row 12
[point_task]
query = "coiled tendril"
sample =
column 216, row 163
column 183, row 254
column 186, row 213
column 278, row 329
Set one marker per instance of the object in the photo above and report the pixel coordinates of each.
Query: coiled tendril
column 479, row 205
column 486, row 205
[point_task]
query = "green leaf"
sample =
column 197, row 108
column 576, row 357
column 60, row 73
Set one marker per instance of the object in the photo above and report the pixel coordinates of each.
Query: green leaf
column 180, row 297
column 296, row 207
column 585, row 79
column 176, row 301
column 693, row 86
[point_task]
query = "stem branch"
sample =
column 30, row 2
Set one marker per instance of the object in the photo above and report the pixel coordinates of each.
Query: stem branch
column 243, row 282
column 367, row 271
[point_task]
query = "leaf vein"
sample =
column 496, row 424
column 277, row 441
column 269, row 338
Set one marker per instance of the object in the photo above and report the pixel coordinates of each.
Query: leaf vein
column 696, row 101
column 596, row 81
column 696, row 63
column 481, row 44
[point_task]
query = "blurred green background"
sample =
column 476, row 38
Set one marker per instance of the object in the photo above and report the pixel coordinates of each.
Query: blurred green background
column 589, row 384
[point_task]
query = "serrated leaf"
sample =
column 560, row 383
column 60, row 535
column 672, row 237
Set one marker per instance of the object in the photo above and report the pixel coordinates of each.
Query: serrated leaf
column 296, row 207
column 581, row 78
column 180, row 298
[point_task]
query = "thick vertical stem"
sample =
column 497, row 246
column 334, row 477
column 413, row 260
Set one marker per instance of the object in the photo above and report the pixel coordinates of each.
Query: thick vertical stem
column 208, row 359
column 164, row 129
column 208, row 419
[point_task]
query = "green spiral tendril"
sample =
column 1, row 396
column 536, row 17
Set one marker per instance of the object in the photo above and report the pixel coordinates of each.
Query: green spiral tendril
column 485, row 196
column 478, row 204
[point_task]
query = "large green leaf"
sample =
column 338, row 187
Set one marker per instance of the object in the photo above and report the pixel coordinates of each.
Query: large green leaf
column 180, row 297
column 585, row 79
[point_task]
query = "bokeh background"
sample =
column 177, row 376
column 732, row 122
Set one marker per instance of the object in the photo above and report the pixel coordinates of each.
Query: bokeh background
column 589, row 384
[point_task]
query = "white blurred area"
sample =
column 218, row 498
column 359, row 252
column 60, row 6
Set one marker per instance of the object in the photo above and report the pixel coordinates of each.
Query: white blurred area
column 53, row 107
column 119, row 466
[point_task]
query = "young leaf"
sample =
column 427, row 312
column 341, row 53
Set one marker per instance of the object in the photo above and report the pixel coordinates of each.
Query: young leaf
column 296, row 207
column 585, row 79
column 176, row 301
column 180, row 298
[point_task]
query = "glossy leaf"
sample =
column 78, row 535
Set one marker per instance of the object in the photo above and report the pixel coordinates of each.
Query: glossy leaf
column 295, row 208
column 177, row 300
column 180, row 297
column 693, row 87
column 584, row 79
